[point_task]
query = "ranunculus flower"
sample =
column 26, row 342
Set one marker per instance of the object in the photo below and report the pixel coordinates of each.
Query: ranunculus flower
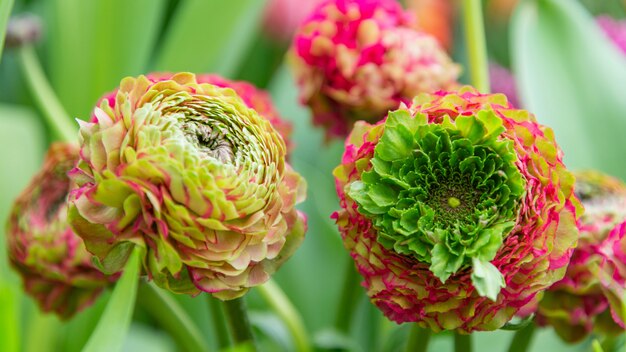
column 591, row 295
column 189, row 172
column 55, row 267
column 457, row 210
column 357, row 59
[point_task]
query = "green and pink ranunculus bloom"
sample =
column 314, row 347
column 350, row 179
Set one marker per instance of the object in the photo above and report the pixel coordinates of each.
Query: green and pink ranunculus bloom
column 52, row 261
column 356, row 59
column 457, row 210
column 591, row 295
column 187, row 171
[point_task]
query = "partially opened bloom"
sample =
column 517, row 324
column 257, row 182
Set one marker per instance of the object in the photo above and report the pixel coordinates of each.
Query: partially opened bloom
column 357, row 59
column 591, row 295
column 52, row 261
column 189, row 172
column 457, row 210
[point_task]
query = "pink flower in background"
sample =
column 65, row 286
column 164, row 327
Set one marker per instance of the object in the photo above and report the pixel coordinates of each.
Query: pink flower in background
column 615, row 30
column 282, row 17
column 503, row 81
column 591, row 295
column 52, row 261
column 357, row 59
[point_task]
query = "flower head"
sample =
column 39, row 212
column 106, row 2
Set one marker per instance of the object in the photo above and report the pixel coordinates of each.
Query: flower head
column 357, row 59
column 52, row 261
column 457, row 210
column 189, row 172
column 591, row 295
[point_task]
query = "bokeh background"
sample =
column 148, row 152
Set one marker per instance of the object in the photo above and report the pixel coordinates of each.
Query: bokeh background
column 568, row 71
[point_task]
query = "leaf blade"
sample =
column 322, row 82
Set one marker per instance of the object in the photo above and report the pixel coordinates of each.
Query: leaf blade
column 115, row 321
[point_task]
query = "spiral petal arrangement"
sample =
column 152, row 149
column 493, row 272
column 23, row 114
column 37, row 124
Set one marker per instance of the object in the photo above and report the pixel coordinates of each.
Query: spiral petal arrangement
column 356, row 59
column 457, row 210
column 591, row 295
column 255, row 98
column 189, row 172
column 52, row 261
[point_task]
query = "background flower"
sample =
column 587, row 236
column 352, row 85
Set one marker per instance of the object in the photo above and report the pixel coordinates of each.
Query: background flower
column 188, row 171
column 357, row 59
column 55, row 267
column 591, row 295
column 457, row 210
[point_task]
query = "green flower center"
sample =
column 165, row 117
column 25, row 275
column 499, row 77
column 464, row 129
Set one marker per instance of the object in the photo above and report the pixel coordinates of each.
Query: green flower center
column 445, row 194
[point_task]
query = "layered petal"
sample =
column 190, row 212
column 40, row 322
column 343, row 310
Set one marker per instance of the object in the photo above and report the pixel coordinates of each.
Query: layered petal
column 357, row 59
column 591, row 295
column 52, row 261
column 188, row 171
column 457, row 210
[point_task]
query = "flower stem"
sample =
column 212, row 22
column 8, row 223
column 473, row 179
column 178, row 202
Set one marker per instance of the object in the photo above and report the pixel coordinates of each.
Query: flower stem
column 44, row 95
column 217, row 313
column 522, row 339
column 418, row 339
column 476, row 44
column 280, row 303
column 172, row 317
column 462, row 343
column 349, row 298
column 238, row 322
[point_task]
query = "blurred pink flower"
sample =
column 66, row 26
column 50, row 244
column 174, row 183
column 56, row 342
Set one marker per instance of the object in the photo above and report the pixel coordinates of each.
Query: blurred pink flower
column 615, row 30
column 282, row 17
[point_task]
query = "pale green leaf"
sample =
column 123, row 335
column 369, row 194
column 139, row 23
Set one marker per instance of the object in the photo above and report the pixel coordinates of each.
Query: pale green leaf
column 5, row 12
column 209, row 36
column 113, row 327
column 572, row 78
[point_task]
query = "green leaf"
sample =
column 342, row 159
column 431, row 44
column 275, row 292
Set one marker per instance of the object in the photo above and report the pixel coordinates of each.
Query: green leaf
column 94, row 44
column 19, row 128
column 9, row 329
column 486, row 279
column 226, row 29
column 572, row 78
column 113, row 326
column 5, row 12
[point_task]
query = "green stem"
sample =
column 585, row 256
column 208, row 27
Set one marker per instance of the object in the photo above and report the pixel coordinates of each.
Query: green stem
column 217, row 313
column 476, row 44
column 522, row 339
column 172, row 317
column 5, row 12
column 462, row 343
column 349, row 298
column 418, row 339
column 238, row 322
column 44, row 95
column 280, row 303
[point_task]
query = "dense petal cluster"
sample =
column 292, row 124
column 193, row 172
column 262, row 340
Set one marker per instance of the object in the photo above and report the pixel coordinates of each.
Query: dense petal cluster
column 357, row 59
column 591, row 295
column 189, row 172
column 457, row 210
column 255, row 98
column 52, row 261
